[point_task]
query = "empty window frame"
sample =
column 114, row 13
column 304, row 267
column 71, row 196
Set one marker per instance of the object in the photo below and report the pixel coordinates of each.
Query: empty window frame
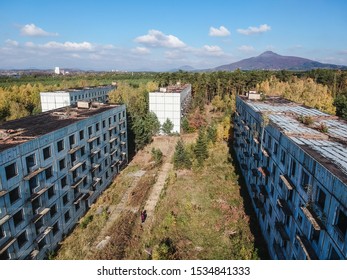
column 341, row 222
column 48, row 172
column 46, row 152
column 60, row 145
column 14, row 195
column 18, row 217
column 11, row 171
column 62, row 164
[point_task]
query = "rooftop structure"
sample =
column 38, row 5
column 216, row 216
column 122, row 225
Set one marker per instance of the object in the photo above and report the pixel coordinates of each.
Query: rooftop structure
column 294, row 162
column 56, row 99
column 53, row 166
column 170, row 103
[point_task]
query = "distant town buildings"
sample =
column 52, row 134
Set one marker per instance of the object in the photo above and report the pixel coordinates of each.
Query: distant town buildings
column 170, row 103
column 53, row 166
column 56, row 99
column 293, row 159
column 57, row 70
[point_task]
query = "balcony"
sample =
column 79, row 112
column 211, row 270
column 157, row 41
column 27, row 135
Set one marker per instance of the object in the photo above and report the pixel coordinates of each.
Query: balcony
column 40, row 213
column 77, row 182
column 34, row 173
column 312, row 217
column 280, row 228
column 113, row 152
column 307, row 248
column 96, row 180
column 263, row 171
column 76, row 166
column 7, row 244
column 73, row 150
column 287, row 182
column 284, row 206
column 92, row 139
column 43, row 234
column 113, row 139
column 38, row 192
column 2, row 193
column 4, row 219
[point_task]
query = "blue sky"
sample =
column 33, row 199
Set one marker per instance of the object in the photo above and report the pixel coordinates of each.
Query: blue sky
column 161, row 35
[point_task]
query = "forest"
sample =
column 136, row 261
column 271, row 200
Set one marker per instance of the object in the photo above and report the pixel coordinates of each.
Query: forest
column 323, row 89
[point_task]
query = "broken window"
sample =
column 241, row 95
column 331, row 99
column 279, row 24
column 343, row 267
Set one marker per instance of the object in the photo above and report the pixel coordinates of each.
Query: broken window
column 30, row 162
column 11, row 171
column 60, row 145
column 341, row 223
column 321, row 199
column 14, row 195
column 48, row 172
column 22, row 239
column 18, row 217
column 62, row 164
column 46, row 153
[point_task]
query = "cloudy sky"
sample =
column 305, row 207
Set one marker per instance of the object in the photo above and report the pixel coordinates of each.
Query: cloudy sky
column 161, row 35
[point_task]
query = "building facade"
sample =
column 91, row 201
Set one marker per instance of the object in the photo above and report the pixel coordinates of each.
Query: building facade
column 293, row 159
column 57, row 99
column 53, row 166
column 170, row 103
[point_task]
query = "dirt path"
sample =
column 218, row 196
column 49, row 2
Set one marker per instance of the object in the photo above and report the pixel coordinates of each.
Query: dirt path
column 137, row 197
column 157, row 188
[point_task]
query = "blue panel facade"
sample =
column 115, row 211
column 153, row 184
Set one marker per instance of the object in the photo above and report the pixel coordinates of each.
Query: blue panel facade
column 49, row 182
column 297, row 192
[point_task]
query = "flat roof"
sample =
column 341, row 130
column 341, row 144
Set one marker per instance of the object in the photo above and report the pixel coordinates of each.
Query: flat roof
column 22, row 130
column 329, row 148
column 81, row 88
column 172, row 89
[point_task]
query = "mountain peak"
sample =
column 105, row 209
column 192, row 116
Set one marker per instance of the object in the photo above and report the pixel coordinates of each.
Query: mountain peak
column 268, row 53
column 272, row 61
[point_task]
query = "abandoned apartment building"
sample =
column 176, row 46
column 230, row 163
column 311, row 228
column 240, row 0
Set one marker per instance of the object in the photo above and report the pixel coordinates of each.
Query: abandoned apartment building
column 51, row 100
column 294, row 161
column 53, row 166
column 171, row 103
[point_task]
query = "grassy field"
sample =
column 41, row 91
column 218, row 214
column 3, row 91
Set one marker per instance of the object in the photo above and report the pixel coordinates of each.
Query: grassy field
column 200, row 216
column 79, row 243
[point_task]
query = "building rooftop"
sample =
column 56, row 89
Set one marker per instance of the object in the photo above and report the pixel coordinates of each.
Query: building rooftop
column 82, row 88
column 22, row 130
column 173, row 88
column 321, row 135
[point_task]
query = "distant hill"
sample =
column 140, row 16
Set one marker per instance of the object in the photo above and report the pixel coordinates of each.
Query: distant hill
column 183, row 68
column 273, row 61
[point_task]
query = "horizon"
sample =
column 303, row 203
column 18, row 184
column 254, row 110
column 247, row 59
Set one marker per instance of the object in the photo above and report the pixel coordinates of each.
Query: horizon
column 146, row 36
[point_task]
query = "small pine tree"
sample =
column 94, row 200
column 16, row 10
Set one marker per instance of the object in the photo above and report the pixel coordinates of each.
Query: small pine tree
column 157, row 155
column 181, row 157
column 167, row 126
column 200, row 150
column 212, row 134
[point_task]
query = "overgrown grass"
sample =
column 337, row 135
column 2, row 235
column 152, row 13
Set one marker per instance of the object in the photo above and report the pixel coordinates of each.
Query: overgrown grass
column 200, row 216
column 79, row 243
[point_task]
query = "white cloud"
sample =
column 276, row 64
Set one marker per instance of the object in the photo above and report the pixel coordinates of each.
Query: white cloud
column 35, row 31
column 246, row 48
column 11, row 43
column 69, row 46
column 213, row 50
column 254, row 30
column 140, row 50
column 219, row 32
column 156, row 38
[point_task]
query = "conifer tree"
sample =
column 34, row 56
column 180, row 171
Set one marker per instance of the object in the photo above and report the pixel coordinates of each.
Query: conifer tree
column 167, row 126
column 200, row 150
column 181, row 157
